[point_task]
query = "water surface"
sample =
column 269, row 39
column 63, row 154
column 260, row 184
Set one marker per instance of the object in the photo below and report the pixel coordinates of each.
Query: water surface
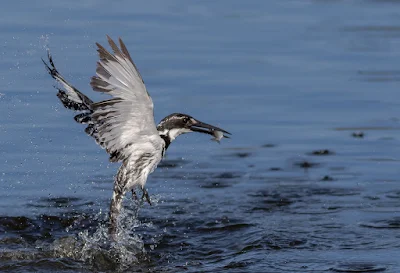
column 308, row 182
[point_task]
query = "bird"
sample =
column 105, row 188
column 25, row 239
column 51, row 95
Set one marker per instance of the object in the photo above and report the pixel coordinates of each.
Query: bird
column 124, row 124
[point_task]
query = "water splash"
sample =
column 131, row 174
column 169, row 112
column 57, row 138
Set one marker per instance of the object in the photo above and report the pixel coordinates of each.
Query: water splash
column 95, row 248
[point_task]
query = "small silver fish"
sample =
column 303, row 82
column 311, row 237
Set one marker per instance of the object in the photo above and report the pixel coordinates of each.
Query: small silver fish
column 218, row 135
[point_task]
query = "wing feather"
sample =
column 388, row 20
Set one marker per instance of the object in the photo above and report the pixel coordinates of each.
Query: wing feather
column 71, row 97
column 127, row 119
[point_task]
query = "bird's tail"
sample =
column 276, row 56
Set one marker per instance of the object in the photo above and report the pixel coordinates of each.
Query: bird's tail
column 115, row 210
column 116, row 201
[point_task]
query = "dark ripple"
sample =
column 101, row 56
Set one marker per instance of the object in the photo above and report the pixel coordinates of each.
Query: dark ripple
column 241, row 154
column 383, row 224
column 268, row 146
column 8, row 224
column 199, row 176
column 327, row 178
column 61, row 202
column 277, row 194
column 238, row 264
column 227, row 175
column 272, row 205
column 44, row 226
column 228, row 227
column 215, row 185
column 358, row 134
column 272, row 200
column 222, row 224
column 358, row 267
column 373, row 198
column 322, row 152
column 306, row 164
column 333, row 191
column 275, row 169
column 171, row 163
column 393, row 195
column 275, row 242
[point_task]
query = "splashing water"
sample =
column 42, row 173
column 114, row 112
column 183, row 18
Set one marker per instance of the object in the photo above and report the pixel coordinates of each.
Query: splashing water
column 95, row 247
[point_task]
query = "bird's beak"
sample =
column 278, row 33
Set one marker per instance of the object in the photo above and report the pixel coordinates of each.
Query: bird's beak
column 205, row 128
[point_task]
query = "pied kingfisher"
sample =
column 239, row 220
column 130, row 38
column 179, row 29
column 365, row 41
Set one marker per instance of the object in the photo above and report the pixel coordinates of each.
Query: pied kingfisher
column 124, row 125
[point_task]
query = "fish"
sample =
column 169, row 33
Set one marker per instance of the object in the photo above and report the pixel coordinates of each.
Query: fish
column 218, row 135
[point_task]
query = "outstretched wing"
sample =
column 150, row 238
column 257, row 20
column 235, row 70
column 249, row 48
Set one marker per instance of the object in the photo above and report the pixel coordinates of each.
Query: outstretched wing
column 125, row 123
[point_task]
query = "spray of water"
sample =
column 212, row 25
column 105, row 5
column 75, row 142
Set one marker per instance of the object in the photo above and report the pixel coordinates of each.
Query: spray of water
column 96, row 248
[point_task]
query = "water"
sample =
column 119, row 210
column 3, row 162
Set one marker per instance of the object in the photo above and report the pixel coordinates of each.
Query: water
column 307, row 183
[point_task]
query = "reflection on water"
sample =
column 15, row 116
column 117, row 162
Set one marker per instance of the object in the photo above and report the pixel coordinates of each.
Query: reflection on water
column 307, row 183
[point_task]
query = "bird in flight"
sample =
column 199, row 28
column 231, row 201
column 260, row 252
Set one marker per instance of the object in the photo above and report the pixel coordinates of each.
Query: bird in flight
column 124, row 124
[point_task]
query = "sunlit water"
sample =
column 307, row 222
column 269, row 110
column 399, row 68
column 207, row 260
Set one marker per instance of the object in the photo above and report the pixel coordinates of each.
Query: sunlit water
column 309, row 181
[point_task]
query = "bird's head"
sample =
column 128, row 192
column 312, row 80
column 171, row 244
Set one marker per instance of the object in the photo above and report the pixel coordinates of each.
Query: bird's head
column 176, row 124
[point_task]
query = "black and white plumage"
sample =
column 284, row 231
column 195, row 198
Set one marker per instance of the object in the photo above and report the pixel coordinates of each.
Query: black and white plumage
column 124, row 125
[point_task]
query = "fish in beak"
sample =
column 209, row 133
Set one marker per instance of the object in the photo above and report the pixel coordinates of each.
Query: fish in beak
column 201, row 127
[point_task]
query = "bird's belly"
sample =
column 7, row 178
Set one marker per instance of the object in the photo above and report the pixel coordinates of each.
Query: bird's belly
column 141, row 168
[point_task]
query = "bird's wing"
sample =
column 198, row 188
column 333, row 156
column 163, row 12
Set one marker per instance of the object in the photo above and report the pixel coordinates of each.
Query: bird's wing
column 125, row 123
column 71, row 97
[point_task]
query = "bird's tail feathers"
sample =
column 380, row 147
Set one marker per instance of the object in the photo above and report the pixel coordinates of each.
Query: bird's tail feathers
column 115, row 210
column 117, row 198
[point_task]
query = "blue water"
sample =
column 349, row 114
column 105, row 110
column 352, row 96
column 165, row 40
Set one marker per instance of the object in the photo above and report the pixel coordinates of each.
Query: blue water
column 289, row 79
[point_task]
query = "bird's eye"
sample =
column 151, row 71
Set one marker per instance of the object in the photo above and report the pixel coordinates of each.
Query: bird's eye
column 185, row 119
